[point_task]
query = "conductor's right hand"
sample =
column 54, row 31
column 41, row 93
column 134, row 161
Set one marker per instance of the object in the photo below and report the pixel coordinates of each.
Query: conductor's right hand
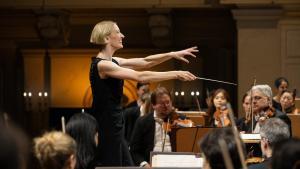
column 185, row 76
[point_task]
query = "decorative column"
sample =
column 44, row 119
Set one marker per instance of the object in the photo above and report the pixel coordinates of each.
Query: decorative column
column 289, row 27
column 258, row 42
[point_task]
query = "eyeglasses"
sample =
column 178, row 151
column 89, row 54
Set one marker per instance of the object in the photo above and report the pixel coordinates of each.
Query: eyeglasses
column 256, row 98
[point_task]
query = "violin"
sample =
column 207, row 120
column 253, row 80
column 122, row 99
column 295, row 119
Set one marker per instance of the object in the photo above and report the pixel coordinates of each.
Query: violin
column 270, row 112
column 221, row 117
column 176, row 120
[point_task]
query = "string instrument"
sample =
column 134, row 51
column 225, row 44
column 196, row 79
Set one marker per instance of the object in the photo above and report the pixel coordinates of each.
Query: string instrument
column 221, row 117
column 254, row 160
column 176, row 120
column 270, row 112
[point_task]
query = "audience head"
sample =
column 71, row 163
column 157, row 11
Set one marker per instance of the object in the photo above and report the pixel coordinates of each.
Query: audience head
column 281, row 84
column 261, row 97
column 13, row 148
column 55, row 150
column 209, row 145
column 287, row 99
column 161, row 102
column 273, row 131
column 83, row 128
column 286, row 154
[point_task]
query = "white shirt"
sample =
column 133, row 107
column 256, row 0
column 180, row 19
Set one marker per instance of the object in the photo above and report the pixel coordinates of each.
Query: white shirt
column 159, row 137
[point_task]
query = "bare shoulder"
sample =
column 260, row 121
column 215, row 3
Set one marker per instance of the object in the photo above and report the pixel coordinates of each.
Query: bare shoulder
column 119, row 60
column 105, row 65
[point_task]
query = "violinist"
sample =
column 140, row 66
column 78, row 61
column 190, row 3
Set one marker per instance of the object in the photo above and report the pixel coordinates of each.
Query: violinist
column 245, row 122
column 217, row 111
column 262, row 107
column 287, row 102
column 149, row 133
column 281, row 84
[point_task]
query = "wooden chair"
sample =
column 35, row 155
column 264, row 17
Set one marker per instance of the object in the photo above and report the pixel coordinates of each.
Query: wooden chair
column 295, row 120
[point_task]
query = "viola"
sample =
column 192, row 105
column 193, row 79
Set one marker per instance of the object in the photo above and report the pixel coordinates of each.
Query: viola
column 221, row 117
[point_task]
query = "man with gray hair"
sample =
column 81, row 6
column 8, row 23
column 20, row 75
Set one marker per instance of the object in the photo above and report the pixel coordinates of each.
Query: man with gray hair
column 262, row 107
column 272, row 131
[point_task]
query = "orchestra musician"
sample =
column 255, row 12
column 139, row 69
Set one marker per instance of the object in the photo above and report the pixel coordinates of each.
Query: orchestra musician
column 281, row 84
column 272, row 131
column 218, row 113
column 262, row 107
column 151, row 131
column 287, row 102
column 245, row 122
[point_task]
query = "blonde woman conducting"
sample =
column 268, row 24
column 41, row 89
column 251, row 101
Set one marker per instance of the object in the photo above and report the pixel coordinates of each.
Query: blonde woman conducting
column 106, row 77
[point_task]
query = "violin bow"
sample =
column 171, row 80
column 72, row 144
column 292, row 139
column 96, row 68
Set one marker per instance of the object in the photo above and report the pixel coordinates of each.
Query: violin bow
column 63, row 124
column 198, row 104
column 251, row 105
column 213, row 80
column 225, row 154
column 236, row 137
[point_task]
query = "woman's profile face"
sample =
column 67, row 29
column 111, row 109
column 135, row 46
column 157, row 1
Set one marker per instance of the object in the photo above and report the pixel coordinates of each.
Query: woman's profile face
column 247, row 104
column 115, row 38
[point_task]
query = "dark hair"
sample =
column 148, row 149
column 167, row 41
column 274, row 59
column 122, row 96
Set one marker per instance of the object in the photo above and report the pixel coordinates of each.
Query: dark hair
column 286, row 154
column 209, row 145
column 293, row 93
column 158, row 92
column 139, row 85
column 279, row 80
column 83, row 127
column 212, row 108
column 244, row 97
column 14, row 147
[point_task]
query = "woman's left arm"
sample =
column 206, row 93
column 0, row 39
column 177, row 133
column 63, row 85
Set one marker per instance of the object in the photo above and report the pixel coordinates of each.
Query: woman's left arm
column 153, row 60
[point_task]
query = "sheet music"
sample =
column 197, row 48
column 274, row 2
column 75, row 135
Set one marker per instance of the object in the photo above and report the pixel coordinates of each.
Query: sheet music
column 250, row 136
column 176, row 160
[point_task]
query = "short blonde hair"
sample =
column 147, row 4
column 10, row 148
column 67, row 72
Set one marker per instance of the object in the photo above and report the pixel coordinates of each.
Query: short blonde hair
column 54, row 149
column 100, row 31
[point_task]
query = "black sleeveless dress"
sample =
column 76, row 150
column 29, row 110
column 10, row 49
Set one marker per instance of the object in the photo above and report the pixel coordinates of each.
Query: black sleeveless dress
column 107, row 109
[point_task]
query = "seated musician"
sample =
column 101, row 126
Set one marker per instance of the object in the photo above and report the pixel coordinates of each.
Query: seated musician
column 271, row 132
column 218, row 113
column 245, row 122
column 262, row 107
column 131, row 114
column 287, row 102
column 281, row 84
column 209, row 145
column 150, row 133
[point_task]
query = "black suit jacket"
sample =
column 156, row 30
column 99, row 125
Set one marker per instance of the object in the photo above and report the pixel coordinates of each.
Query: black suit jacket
column 277, row 113
column 142, row 140
column 130, row 114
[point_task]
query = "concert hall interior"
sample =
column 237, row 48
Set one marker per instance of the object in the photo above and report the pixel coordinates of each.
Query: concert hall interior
column 45, row 59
